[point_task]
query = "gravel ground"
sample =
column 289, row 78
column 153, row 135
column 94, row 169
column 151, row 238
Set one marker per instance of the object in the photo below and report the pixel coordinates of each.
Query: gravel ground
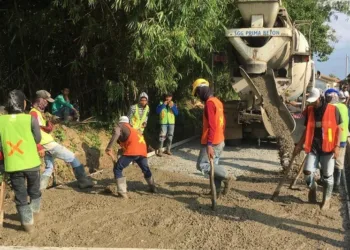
column 179, row 215
column 238, row 161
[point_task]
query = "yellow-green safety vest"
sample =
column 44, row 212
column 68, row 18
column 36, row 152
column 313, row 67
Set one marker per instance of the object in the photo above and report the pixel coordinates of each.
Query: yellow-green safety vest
column 45, row 137
column 344, row 114
column 136, row 122
column 166, row 116
column 18, row 144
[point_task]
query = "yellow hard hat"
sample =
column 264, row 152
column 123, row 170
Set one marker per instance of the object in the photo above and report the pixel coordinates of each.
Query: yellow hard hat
column 197, row 83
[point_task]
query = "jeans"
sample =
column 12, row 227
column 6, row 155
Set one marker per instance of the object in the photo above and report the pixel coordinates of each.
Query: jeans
column 166, row 132
column 339, row 162
column 203, row 164
column 62, row 153
column 64, row 113
column 327, row 163
column 124, row 161
column 22, row 191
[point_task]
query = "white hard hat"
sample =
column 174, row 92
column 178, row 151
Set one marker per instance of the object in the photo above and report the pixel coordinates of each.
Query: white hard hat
column 124, row 119
column 314, row 95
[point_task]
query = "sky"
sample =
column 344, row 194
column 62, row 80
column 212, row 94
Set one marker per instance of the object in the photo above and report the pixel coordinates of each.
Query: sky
column 336, row 63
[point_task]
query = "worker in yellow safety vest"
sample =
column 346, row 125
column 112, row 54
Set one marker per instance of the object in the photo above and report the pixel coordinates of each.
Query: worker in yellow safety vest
column 138, row 113
column 19, row 136
column 52, row 148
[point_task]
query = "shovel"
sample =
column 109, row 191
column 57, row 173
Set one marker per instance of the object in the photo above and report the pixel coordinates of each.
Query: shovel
column 2, row 198
column 212, row 185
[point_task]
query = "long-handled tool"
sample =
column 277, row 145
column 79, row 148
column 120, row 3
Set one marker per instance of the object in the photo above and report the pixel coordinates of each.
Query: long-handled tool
column 212, row 185
column 299, row 173
column 2, row 199
column 283, row 180
column 54, row 179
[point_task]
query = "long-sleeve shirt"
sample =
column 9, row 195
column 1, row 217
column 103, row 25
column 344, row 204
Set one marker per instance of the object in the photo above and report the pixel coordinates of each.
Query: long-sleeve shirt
column 141, row 111
column 59, row 103
column 209, row 112
column 120, row 133
column 36, row 134
column 162, row 106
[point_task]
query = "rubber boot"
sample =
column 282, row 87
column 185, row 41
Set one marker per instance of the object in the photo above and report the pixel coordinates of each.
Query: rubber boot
column 227, row 183
column 27, row 220
column 312, row 196
column 327, row 194
column 35, row 206
column 159, row 151
column 83, row 180
column 152, row 186
column 44, row 182
column 167, row 151
column 337, row 178
column 121, row 187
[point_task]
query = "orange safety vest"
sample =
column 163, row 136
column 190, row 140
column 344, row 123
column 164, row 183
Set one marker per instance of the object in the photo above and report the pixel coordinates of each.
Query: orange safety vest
column 135, row 145
column 219, row 120
column 329, row 129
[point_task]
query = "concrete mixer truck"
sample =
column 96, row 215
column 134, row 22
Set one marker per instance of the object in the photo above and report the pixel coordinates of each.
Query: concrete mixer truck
column 272, row 65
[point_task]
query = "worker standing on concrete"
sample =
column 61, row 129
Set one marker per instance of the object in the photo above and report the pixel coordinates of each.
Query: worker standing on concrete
column 338, row 99
column 138, row 113
column 19, row 136
column 167, row 111
column 134, row 149
column 321, row 140
column 53, row 149
column 213, row 140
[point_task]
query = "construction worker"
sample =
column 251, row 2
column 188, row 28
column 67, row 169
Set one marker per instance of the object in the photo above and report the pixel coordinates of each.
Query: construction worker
column 63, row 108
column 138, row 113
column 213, row 140
column 333, row 97
column 19, row 136
column 53, row 149
column 134, row 149
column 321, row 140
column 167, row 111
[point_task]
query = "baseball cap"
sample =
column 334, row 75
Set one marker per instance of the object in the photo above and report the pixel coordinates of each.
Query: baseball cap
column 314, row 95
column 124, row 119
column 45, row 95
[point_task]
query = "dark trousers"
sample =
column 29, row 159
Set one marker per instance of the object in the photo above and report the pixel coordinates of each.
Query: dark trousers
column 22, row 191
column 124, row 161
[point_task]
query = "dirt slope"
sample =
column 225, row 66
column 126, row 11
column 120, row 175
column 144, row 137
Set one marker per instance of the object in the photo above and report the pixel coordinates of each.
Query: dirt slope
column 180, row 217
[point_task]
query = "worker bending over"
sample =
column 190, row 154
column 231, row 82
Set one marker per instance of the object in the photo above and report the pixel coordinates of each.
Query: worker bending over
column 213, row 140
column 53, row 149
column 321, row 140
column 19, row 136
column 134, row 149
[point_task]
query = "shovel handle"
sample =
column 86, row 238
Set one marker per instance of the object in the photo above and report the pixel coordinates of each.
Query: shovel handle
column 212, row 185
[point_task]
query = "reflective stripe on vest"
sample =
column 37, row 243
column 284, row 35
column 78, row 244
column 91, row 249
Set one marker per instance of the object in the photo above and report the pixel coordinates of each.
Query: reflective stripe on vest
column 45, row 137
column 136, row 122
column 220, row 123
column 166, row 116
column 329, row 129
column 18, row 145
column 135, row 145
column 344, row 113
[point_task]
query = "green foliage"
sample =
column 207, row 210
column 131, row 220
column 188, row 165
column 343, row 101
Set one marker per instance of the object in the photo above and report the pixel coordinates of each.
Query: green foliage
column 109, row 51
column 93, row 140
column 59, row 134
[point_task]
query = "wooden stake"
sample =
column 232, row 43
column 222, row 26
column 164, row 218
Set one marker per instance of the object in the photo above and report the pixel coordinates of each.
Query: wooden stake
column 299, row 173
column 212, row 185
column 2, row 199
column 282, row 181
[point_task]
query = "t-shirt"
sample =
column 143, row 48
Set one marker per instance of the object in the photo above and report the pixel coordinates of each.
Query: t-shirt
column 316, row 147
column 345, row 93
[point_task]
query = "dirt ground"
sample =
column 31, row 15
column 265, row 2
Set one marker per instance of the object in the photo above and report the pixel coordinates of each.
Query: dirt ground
column 179, row 216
